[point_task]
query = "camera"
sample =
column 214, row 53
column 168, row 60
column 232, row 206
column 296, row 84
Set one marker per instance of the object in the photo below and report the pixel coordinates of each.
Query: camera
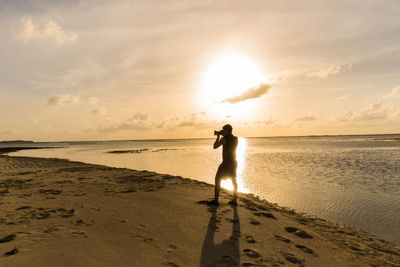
column 218, row 132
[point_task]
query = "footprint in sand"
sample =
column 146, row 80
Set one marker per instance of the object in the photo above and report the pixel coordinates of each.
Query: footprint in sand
column 63, row 182
column 141, row 227
column 66, row 213
column 262, row 208
column 50, row 191
column 306, row 250
column 251, row 253
column 23, row 208
column 265, row 214
column 43, row 213
column 78, row 233
column 81, row 222
column 283, row 239
column 290, row 257
column 7, row 238
column 171, row 250
column 251, row 208
column 298, row 232
column 52, row 228
column 170, row 264
column 250, row 239
column 11, row 252
column 255, row 222
column 144, row 238
column 4, row 192
column 129, row 190
column 249, row 264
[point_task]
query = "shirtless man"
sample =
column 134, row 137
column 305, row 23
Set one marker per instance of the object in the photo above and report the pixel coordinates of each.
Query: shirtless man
column 227, row 169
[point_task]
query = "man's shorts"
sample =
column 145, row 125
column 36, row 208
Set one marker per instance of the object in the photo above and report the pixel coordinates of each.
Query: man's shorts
column 227, row 170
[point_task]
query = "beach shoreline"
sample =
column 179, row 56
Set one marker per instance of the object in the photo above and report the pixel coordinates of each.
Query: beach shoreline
column 67, row 212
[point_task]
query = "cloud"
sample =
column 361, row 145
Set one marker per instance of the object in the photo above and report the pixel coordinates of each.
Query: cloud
column 315, row 74
column 139, row 116
column 160, row 125
column 60, row 100
column 99, row 111
column 254, row 92
column 306, row 118
column 347, row 116
column 28, row 31
column 136, row 126
column 323, row 73
column 270, row 121
column 136, row 123
column 374, row 112
column 193, row 121
column 263, row 88
column 395, row 91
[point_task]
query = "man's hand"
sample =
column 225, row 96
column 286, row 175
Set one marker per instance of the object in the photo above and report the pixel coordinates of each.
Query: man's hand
column 218, row 142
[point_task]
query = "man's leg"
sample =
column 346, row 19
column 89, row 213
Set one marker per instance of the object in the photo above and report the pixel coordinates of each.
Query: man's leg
column 235, row 187
column 217, row 188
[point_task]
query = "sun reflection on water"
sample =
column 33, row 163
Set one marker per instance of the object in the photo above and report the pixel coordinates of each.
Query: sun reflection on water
column 241, row 160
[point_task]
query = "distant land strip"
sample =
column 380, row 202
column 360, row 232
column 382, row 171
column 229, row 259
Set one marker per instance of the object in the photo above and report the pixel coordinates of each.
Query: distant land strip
column 384, row 139
column 5, row 150
column 139, row 150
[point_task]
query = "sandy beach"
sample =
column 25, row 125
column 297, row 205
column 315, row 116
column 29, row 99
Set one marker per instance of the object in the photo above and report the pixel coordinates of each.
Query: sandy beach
column 60, row 213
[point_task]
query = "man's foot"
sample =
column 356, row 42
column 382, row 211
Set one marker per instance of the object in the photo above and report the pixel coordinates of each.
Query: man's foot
column 233, row 202
column 213, row 202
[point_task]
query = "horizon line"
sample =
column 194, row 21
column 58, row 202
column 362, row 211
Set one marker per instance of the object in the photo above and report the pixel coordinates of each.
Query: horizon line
column 196, row 138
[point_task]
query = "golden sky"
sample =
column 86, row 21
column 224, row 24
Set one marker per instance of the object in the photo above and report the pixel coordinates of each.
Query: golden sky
column 101, row 70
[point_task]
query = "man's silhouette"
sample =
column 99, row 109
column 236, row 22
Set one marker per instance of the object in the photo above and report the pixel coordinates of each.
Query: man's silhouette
column 227, row 169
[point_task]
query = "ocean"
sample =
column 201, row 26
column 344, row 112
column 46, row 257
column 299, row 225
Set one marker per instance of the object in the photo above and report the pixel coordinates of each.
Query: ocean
column 352, row 180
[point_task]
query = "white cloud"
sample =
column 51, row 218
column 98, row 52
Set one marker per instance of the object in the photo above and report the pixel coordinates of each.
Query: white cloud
column 139, row 117
column 136, row 126
column 306, row 118
column 323, row 73
column 193, row 121
column 396, row 91
column 28, row 31
column 311, row 74
column 270, row 121
column 60, row 100
column 374, row 112
column 136, row 123
column 254, row 92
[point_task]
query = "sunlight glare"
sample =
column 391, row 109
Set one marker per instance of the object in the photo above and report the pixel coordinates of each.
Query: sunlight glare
column 241, row 160
column 229, row 75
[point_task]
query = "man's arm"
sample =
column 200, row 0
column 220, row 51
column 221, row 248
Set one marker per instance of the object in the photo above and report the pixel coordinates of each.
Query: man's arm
column 218, row 142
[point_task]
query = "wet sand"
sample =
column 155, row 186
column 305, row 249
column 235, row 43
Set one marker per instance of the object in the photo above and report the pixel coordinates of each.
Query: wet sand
column 56, row 212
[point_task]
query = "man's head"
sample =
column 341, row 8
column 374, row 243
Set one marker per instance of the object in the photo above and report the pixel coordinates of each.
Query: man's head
column 227, row 130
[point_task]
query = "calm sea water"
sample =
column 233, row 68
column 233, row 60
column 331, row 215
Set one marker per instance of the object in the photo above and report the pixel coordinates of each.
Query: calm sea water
column 354, row 180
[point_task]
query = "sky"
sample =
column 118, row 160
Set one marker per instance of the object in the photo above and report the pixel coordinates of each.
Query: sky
column 111, row 70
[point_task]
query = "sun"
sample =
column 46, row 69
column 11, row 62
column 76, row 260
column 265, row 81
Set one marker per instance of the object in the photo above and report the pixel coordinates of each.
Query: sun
column 227, row 76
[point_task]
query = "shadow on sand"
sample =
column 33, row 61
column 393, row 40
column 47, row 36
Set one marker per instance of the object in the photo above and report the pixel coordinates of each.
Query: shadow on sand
column 227, row 252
